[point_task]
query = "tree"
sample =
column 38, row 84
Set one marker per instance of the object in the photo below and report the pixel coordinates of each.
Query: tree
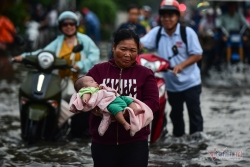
column 124, row 4
column 106, row 12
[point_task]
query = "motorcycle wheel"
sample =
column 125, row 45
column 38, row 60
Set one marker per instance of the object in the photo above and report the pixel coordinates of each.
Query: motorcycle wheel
column 62, row 132
column 32, row 131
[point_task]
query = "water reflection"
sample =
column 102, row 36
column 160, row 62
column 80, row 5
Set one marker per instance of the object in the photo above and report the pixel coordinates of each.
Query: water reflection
column 14, row 152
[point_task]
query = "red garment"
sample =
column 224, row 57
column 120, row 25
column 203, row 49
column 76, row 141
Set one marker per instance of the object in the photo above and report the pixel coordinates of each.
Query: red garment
column 136, row 81
column 7, row 30
column 248, row 19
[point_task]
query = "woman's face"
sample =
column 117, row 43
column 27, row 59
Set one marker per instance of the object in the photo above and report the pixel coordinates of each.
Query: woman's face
column 69, row 27
column 125, row 53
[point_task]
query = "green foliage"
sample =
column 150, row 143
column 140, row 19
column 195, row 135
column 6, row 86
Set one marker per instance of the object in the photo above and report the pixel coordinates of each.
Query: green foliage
column 46, row 2
column 104, row 9
column 123, row 4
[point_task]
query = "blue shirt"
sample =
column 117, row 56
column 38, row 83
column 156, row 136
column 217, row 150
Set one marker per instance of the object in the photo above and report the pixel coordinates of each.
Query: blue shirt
column 190, row 76
column 92, row 19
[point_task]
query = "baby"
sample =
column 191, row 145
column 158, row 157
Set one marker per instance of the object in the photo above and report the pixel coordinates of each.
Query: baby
column 86, row 86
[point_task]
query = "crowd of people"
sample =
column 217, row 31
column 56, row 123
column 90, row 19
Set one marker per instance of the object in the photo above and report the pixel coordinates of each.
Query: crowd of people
column 41, row 24
column 214, row 30
column 140, row 31
column 212, row 24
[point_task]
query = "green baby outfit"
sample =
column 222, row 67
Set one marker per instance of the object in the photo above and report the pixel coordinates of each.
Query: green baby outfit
column 90, row 90
column 119, row 104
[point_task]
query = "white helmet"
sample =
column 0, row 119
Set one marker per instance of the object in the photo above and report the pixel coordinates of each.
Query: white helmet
column 210, row 11
column 67, row 15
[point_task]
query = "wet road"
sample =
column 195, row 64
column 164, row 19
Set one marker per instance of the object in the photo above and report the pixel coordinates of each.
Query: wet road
column 226, row 113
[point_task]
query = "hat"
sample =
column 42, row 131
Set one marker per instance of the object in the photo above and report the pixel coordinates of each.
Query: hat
column 146, row 8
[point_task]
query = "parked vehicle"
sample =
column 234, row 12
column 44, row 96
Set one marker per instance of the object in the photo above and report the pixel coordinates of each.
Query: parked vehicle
column 157, row 65
column 40, row 97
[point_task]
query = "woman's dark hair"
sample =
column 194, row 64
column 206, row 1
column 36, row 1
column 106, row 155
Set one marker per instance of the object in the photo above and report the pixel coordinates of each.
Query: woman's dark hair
column 132, row 6
column 124, row 34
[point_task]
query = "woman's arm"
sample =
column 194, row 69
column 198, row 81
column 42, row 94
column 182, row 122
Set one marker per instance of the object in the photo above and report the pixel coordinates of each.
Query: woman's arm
column 50, row 47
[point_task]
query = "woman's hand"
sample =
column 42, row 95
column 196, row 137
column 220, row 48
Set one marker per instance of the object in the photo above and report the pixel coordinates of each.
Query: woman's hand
column 96, row 111
column 76, row 68
column 18, row 58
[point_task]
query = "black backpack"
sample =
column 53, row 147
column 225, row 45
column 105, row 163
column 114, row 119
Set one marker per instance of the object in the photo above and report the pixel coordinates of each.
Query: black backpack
column 183, row 37
column 182, row 31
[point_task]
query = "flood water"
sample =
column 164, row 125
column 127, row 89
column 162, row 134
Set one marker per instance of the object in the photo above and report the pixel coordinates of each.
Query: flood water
column 226, row 113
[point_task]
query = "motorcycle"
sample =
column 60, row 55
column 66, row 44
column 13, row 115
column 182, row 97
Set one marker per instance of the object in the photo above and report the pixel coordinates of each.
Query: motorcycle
column 234, row 45
column 157, row 65
column 40, row 97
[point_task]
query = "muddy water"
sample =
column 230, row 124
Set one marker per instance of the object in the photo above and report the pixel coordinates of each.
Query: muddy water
column 226, row 113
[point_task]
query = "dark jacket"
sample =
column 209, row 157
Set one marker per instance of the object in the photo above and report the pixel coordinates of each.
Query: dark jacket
column 136, row 81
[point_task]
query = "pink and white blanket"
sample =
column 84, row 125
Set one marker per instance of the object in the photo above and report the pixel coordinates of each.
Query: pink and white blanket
column 102, row 99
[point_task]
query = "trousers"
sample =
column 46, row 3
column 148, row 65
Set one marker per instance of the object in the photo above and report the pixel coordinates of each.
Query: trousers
column 132, row 154
column 192, row 98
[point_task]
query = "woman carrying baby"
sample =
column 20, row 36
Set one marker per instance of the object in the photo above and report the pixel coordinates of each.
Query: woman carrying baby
column 122, row 73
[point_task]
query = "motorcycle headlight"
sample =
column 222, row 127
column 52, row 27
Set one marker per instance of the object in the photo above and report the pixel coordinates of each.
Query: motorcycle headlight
column 162, row 90
column 154, row 66
column 45, row 60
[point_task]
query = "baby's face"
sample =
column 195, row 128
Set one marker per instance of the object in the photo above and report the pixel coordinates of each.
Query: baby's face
column 90, row 82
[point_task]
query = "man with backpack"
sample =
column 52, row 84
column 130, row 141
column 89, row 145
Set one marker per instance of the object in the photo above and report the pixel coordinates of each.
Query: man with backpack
column 180, row 46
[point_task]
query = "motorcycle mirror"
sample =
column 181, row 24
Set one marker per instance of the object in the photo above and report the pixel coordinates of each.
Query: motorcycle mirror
column 77, row 48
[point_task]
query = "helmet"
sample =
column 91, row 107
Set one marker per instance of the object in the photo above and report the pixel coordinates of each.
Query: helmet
column 169, row 5
column 210, row 11
column 146, row 8
column 67, row 15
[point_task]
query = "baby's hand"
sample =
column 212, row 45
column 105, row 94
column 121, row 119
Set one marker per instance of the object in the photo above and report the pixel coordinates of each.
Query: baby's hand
column 85, row 98
column 85, row 101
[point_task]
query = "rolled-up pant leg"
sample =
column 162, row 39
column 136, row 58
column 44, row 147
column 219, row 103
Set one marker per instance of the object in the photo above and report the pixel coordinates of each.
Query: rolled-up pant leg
column 192, row 99
column 176, row 101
